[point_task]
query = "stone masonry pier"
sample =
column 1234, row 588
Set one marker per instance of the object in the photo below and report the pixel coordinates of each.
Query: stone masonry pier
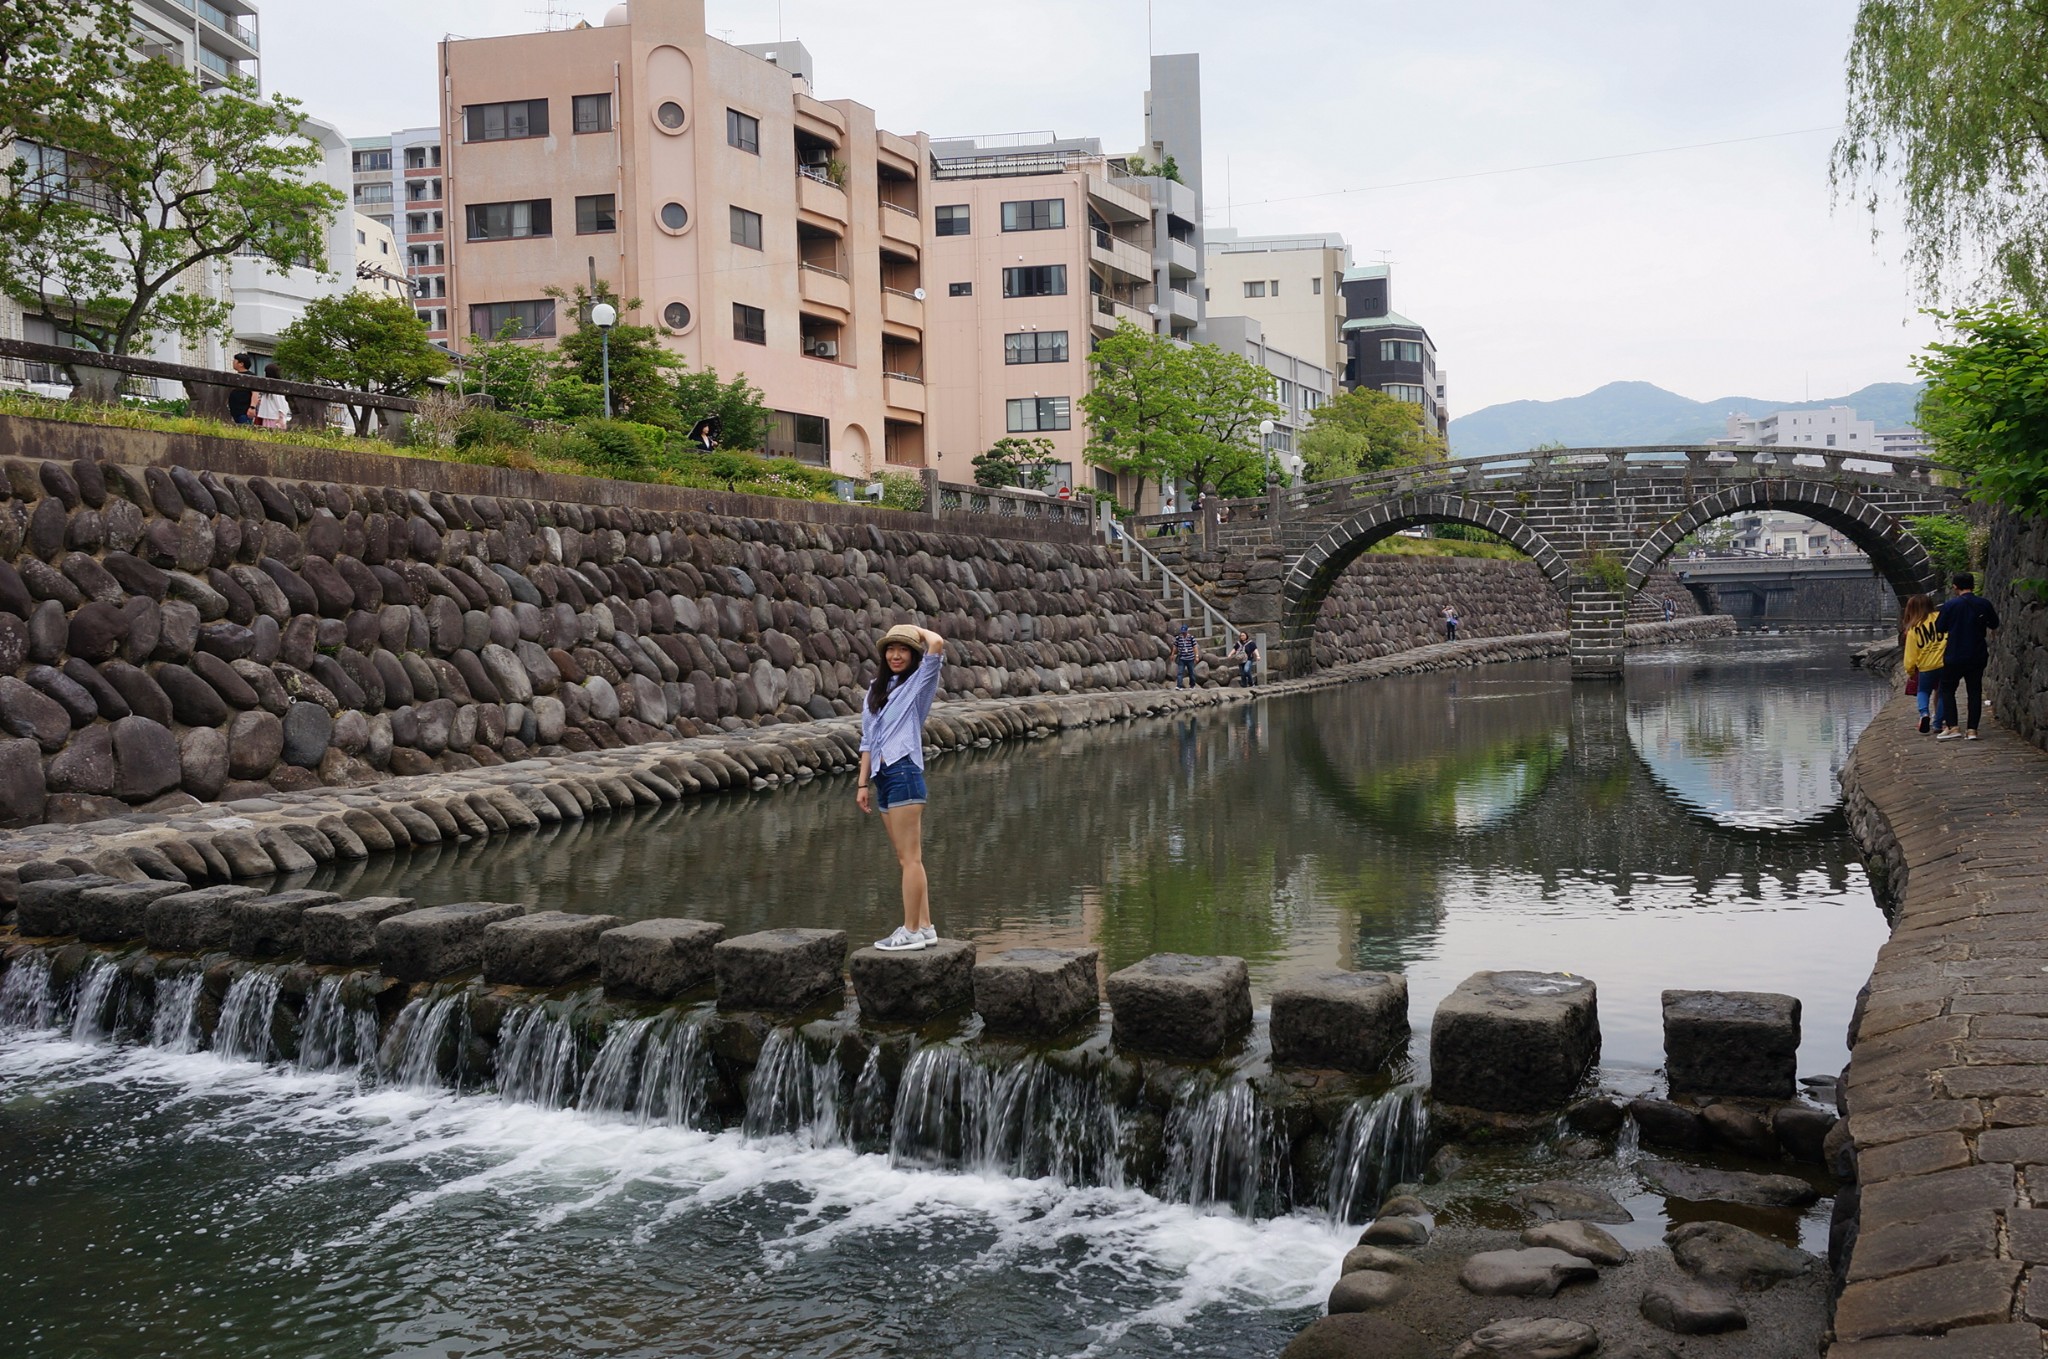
column 1945, row 1233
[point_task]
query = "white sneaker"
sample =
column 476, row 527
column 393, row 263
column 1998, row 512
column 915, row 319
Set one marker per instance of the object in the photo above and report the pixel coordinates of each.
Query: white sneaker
column 930, row 934
column 1950, row 735
column 903, row 940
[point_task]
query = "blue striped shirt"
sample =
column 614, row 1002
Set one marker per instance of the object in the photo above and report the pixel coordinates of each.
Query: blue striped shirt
column 897, row 732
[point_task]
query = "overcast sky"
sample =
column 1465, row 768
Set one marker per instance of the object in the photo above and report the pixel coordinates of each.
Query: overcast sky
column 1720, row 271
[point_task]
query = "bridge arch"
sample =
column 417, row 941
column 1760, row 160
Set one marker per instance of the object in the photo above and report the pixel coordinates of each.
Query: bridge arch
column 1309, row 580
column 1882, row 535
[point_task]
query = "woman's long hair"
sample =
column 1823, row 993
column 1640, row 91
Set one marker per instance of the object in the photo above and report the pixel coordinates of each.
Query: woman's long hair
column 1917, row 609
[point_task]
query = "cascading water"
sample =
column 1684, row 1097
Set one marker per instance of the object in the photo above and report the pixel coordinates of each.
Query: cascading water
column 656, row 1070
column 27, row 1000
column 794, row 1092
column 1380, row 1143
column 96, row 1002
column 246, row 1014
column 1026, row 1119
column 539, row 1058
column 412, row 1055
column 1223, row 1148
column 334, row 1036
column 175, row 1025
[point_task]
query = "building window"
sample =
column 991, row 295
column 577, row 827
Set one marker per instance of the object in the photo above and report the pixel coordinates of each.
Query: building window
column 529, row 320
column 1255, row 288
column 1035, row 280
column 506, row 122
column 1273, row 288
column 373, row 193
column 372, row 160
column 749, row 323
column 746, row 228
column 592, row 112
column 422, row 157
column 1036, row 214
column 953, row 220
column 511, row 221
column 959, row 290
column 1035, row 346
column 1315, row 286
column 1404, row 391
column 597, row 214
column 743, row 130
column 1033, row 413
column 1831, row 441
column 807, row 438
column 362, row 238
column 1400, row 351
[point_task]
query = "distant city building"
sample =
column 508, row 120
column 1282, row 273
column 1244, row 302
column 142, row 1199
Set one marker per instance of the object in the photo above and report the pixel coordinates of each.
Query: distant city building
column 1804, row 432
column 1808, row 430
column 1292, row 285
column 1301, row 386
column 1384, row 350
column 398, row 182
column 1905, row 441
column 1778, row 533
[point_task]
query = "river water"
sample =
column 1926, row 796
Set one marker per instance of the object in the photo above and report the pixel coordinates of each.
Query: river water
column 1679, row 830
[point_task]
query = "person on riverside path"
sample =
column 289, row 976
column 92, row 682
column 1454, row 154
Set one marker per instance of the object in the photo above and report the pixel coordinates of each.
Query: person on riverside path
column 892, row 766
column 1967, row 620
column 1247, row 653
column 242, row 401
column 1450, row 622
column 1924, row 648
column 1184, row 658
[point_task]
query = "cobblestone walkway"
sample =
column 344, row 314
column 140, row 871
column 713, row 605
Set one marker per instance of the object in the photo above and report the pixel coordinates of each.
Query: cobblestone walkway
column 1947, row 1087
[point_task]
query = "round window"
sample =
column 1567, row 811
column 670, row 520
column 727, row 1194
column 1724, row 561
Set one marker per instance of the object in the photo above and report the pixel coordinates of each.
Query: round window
column 670, row 115
column 676, row 316
column 674, row 216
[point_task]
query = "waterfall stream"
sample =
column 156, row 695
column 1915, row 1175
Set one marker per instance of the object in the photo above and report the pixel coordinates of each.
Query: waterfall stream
column 247, row 1017
column 794, row 1092
column 27, row 1001
column 96, row 1004
column 955, row 1111
column 1380, row 1143
column 335, row 1036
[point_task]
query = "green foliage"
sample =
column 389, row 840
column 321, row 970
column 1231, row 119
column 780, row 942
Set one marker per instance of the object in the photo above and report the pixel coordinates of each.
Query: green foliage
column 361, row 342
column 1014, row 461
column 1368, row 431
column 1187, row 413
column 1167, row 168
column 738, row 406
column 158, row 180
column 901, row 491
column 486, row 428
column 1945, row 97
column 1986, row 405
column 1605, row 570
column 642, row 388
column 57, row 58
column 1947, row 540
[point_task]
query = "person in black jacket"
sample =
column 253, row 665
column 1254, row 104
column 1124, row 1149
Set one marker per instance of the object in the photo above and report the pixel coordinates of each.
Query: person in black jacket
column 241, row 401
column 1967, row 620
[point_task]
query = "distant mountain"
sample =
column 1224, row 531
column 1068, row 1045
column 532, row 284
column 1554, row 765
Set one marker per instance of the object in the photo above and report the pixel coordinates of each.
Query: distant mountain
column 1641, row 413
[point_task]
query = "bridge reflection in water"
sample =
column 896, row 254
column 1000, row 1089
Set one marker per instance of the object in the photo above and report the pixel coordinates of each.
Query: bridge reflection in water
column 1676, row 831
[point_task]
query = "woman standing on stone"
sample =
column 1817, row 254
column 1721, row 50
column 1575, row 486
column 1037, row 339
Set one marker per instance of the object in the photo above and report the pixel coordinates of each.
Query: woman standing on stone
column 892, row 766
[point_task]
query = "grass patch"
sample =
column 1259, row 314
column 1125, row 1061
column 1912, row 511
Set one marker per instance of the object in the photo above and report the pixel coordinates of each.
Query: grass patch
column 1399, row 546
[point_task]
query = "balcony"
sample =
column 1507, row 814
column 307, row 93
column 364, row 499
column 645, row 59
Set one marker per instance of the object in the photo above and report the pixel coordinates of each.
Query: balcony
column 1117, row 203
column 899, row 153
column 1112, row 252
column 820, row 119
column 904, row 395
column 1182, row 306
column 820, row 198
column 1182, row 256
column 822, row 288
column 901, row 227
column 902, row 310
column 1109, row 313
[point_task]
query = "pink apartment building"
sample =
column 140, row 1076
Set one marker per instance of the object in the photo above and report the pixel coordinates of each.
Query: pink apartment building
column 770, row 232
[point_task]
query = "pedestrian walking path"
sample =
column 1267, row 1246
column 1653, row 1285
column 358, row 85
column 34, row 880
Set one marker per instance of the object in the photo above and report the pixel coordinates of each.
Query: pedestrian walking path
column 1945, row 1233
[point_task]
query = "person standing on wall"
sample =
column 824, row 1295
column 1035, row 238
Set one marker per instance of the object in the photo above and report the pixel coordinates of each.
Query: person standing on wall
column 892, row 766
column 1924, row 654
column 1967, row 620
column 1184, row 657
column 242, row 401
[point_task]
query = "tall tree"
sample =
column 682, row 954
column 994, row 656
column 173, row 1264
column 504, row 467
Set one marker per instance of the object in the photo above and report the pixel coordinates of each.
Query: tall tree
column 1950, row 99
column 1366, row 431
column 362, row 343
column 1185, row 413
column 1986, row 404
column 108, row 220
column 739, row 408
column 643, row 388
column 56, row 57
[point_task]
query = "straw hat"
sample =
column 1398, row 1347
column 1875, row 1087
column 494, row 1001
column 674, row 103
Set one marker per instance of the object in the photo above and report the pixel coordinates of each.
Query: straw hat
column 903, row 634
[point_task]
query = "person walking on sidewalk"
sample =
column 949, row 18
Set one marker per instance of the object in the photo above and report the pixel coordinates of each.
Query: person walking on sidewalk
column 892, row 766
column 1184, row 658
column 1967, row 620
column 1924, row 648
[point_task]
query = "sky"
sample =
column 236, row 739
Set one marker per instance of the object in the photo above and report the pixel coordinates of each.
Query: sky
column 1430, row 136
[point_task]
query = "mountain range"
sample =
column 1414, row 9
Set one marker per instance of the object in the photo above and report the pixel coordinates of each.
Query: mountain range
column 1623, row 413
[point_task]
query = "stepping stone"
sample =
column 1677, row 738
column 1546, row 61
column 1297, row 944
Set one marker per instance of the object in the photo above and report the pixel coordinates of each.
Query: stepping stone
column 1701, row 1185
column 1395, row 1231
column 543, row 948
column 1347, row 1021
column 345, row 934
column 272, row 926
column 1403, row 1205
column 1741, row 1130
column 1367, row 1291
column 119, row 911
column 194, row 922
column 657, row 959
column 438, row 941
column 1356, row 1335
column 1732, row 1257
column 1689, row 1309
column 1037, row 991
column 1514, row 1042
column 1532, row 1272
column 1372, row 1257
column 913, row 985
column 1530, row 1338
column 1731, row 1043
column 45, row 906
column 1180, row 1005
column 785, row 969
column 1561, row 1200
column 1661, row 1123
column 1582, row 1239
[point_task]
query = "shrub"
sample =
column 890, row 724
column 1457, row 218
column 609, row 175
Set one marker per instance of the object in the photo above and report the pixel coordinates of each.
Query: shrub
column 1605, row 570
column 901, row 491
column 622, row 444
column 484, row 427
column 1947, row 538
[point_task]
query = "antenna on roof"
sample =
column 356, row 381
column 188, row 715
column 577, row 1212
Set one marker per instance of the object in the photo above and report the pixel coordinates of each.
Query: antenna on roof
column 553, row 15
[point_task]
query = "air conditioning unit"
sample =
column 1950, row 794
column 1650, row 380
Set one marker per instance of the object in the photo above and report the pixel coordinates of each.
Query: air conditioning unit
column 819, row 156
column 827, row 349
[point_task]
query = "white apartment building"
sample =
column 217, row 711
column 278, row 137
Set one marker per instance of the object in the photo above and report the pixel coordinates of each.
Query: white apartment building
column 1292, row 285
column 1810, row 431
column 215, row 38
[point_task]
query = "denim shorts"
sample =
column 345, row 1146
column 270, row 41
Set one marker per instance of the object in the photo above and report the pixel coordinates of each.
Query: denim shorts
column 898, row 785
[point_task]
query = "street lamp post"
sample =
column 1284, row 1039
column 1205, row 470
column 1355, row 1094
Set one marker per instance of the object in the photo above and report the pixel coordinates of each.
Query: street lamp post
column 604, row 316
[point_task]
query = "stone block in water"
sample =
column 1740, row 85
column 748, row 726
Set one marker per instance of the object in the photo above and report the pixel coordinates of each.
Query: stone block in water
column 1731, row 1043
column 118, row 911
column 345, row 934
column 1041, row 991
column 438, row 941
column 194, row 922
column 273, row 926
column 1349, row 1021
column 914, row 985
column 546, row 948
column 657, row 959
column 1514, row 1042
column 1179, row 1005
column 786, row 969
column 47, row 904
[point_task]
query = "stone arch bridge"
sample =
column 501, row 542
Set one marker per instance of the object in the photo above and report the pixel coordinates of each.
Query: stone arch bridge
column 1596, row 521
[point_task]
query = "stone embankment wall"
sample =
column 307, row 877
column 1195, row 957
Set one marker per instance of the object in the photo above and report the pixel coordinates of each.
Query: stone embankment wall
column 2019, row 657
column 171, row 633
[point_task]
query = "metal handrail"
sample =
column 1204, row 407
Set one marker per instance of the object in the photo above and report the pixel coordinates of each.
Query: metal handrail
column 1148, row 562
column 908, row 212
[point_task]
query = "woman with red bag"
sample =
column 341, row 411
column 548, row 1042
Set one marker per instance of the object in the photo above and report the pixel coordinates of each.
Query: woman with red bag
column 1925, row 651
